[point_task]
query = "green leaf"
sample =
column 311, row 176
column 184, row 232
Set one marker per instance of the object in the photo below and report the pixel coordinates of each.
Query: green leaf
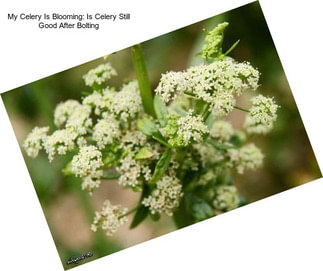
column 158, row 136
column 198, row 207
column 143, row 79
column 142, row 212
column 161, row 110
column 144, row 153
column 140, row 215
column 147, row 126
column 67, row 170
column 161, row 166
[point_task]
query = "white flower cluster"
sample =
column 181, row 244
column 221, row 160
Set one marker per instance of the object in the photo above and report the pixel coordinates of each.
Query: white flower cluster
column 87, row 165
column 184, row 130
column 215, row 84
column 262, row 115
column 171, row 84
column 207, row 154
column 166, row 197
column 110, row 218
column 247, row 157
column 63, row 111
column 226, row 198
column 100, row 102
column 75, row 116
column 106, row 131
column 60, row 142
column 99, row 74
column 125, row 103
column 132, row 170
column 221, row 131
column 34, row 141
column 191, row 128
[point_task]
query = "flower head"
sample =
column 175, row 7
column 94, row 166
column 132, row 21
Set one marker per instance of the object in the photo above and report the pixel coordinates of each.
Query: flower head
column 110, row 218
column 221, row 131
column 171, row 84
column 185, row 130
column 106, row 131
column 215, row 84
column 126, row 103
column 97, row 101
column 87, row 165
column 60, row 142
column 99, row 74
column 213, row 47
column 166, row 197
column 64, row 110
column 34, row 141
column 226, row 198
column 261, row 116
column 87, row 162
column 79, row 121
column 248, row 157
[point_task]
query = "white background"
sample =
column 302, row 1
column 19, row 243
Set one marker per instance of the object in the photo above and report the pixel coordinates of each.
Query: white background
column 283, row 232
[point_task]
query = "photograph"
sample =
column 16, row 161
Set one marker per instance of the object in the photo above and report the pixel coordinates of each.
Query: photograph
column 161, row 135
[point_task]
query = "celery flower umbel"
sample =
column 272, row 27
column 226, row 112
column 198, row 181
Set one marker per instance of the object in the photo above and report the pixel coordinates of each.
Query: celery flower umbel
column 178, row 149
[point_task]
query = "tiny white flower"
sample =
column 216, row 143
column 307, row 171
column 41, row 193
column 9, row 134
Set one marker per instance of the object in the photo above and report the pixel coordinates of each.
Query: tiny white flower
column 34, row 141
column 166, row 197
column 126, row 103
column 60, row 142
column 106, row 131
column 221, row 130
column 226, row 198
column 63, row 111
column 110, row 218
column 247, row 157
column 79, row 121
column 87, row 162
column 99, row 74
column 262, row 115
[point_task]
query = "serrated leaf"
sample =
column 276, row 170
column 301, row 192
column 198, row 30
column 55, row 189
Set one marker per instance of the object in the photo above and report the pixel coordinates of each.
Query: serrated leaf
column 147, row 126
column 198, row 207
column 161, row 111
column 144, row 153
column 161, row 166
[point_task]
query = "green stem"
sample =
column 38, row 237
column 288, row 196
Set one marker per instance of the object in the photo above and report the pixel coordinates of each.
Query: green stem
column 242, row 109
column 206, row 112
column 143, row 80
column 231, row 48
column 129, row 212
